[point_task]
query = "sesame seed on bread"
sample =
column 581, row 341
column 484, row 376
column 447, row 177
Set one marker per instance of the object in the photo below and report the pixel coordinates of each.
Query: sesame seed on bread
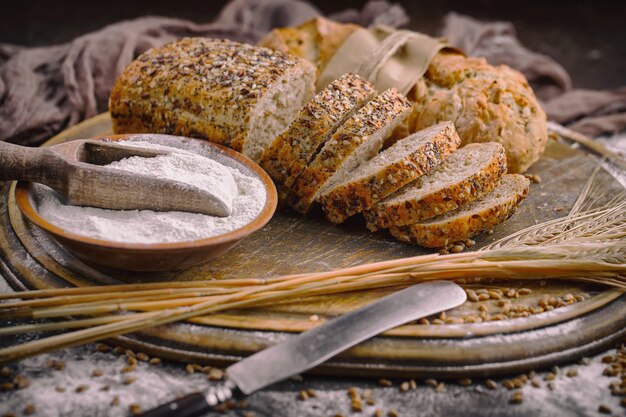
column 356, row 141
column 290, row 153
column 467, row 174
column 469, row 220
column 238, row 95
column 390, row 170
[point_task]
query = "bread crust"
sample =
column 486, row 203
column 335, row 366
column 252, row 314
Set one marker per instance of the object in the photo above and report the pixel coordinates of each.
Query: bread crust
column 486, row 103
column 440, row 233
column 201, row 88
column 453, row 196
column 289, row 154
column 360, row 194
column 383, row 112
column 315, row 40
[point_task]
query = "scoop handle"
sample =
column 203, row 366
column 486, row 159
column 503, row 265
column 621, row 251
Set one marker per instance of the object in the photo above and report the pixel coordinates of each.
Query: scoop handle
column 32, row 164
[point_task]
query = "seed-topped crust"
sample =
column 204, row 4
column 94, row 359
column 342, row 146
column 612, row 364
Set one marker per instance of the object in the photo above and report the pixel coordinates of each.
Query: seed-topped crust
column 474, row 218
column 389, row 171
column 289, row 154
column 413, row 204
column 377, row 118
column 203, row 88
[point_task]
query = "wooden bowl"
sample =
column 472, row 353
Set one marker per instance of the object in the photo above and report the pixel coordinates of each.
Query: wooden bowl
column 157, row 256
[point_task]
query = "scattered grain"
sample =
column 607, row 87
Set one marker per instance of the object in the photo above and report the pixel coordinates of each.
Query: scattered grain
column 384, row 382
column 115, row 401
column 604, row 409
column 431, row 382
column 535, row 383
column 96, row 373
column 29, row 409
column 154, row 361
column 471, row 295
column 59, row 388
column 508, row 384
column 20, row 381
column 572, row 373
column 216, row 374
column 5, row 372
column 142, row 357
column 135, row 409
column 81, row 388
column 550, row 376
column 393, row 413
column 465, row 382
column 491, row 384
column 441, row 387
column 101, row 347
column 303, row 395
column 517, row 397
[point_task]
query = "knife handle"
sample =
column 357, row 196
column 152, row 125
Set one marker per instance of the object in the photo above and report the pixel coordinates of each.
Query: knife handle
column 195, row 404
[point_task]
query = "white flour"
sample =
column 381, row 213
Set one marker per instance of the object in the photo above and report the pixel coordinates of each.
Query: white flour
column 145, row 226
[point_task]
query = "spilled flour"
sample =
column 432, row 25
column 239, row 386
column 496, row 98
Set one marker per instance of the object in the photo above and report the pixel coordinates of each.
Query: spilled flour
column 244, row 193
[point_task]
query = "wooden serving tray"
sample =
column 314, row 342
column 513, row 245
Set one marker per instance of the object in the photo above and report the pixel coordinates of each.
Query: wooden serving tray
column 29, row 259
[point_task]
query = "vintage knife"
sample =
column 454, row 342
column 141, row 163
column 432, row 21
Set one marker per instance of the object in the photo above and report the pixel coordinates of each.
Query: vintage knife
column 302, row 352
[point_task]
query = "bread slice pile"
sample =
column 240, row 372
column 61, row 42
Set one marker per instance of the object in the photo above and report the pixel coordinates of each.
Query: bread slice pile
column 421, row 188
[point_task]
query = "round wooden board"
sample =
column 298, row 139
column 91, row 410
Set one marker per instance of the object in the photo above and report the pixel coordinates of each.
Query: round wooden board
column 291, row 244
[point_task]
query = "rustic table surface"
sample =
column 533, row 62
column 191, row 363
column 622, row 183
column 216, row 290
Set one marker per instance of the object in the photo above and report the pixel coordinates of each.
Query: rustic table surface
column 85, row 382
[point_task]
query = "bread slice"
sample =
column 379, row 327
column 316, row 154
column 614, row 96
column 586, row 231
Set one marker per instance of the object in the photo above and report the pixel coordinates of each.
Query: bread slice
column 290, row 153
column 238, row 95
column 390, row 170
column 467, row 221
column 356, row 141
column 466, row 175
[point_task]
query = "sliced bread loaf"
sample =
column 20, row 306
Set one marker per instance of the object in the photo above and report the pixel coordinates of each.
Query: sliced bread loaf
column 289, row 154
column 387, row 172
column 467, row 221
column 466, row 175
column 356, row 141
column 241, row 96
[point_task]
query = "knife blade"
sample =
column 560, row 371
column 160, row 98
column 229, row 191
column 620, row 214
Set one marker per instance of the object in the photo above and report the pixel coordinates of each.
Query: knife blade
column 308, row 349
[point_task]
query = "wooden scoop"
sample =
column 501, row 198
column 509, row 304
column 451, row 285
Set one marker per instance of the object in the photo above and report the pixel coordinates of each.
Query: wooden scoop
column 75, row 170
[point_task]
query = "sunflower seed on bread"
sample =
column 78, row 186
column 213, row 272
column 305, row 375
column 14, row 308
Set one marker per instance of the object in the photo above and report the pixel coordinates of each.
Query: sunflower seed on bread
column 467, row 174
column 469, row 220
column 238, row 95
column 356, row 141
column 396, row 166
column 289, row 154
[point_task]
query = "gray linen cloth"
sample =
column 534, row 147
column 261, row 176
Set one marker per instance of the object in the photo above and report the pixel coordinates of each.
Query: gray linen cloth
column 44, row 90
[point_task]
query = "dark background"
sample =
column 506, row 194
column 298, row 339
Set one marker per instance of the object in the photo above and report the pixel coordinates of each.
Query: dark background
column 587, row 37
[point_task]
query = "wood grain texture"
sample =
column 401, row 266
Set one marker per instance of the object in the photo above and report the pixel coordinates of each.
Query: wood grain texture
column 293, row 244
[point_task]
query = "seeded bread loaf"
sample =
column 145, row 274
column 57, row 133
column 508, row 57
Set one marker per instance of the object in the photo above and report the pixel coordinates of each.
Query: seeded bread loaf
column 467, row 174
column 289, row 154
column 390, row 170
column 484, row 102
column 238, row 95
column 469, row 220
column 356, row 141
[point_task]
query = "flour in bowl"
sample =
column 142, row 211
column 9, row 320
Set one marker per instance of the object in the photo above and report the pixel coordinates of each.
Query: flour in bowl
column 145, row 226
